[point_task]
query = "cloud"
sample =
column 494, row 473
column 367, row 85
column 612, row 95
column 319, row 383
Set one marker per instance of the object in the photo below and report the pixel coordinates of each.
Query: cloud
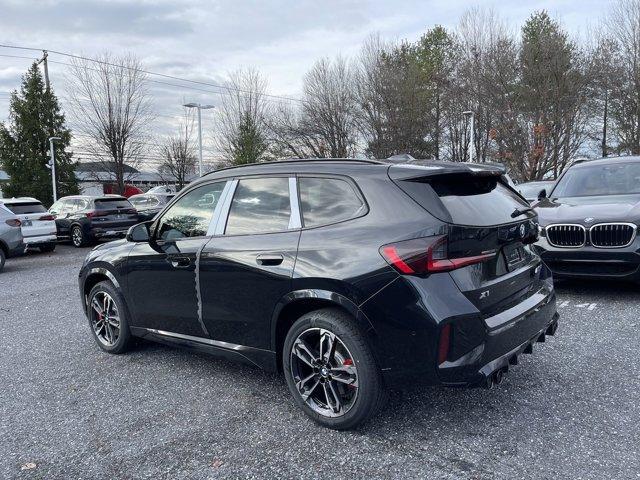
column 205, row 39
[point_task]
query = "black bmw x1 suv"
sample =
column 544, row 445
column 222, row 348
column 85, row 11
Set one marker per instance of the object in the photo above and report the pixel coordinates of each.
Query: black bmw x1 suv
column 349, row 276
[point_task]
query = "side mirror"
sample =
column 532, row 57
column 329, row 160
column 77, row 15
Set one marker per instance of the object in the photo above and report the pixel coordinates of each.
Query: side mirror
column 542, row 194
column 138, row 233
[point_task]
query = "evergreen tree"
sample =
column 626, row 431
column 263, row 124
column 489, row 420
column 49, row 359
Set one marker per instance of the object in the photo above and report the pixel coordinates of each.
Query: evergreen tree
column 248, row 144
column 34, row 117
column 435, row 53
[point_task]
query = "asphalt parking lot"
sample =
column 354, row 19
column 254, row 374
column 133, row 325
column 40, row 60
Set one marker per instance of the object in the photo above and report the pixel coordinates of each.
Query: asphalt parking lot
column 69, row 410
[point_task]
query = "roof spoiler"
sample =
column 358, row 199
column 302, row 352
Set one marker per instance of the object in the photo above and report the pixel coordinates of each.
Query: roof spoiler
column 430, row 169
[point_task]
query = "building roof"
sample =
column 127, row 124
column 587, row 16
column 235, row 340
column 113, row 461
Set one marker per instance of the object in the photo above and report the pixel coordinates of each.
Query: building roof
column 102, row 167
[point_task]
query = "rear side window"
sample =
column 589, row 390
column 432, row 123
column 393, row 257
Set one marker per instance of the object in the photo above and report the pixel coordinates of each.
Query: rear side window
column 259, row 205
column 112, row 204
column 23, row 208
column 328, row 200
column 465, row 199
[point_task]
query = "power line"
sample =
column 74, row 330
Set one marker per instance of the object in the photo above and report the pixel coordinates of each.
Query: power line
column 148, row 72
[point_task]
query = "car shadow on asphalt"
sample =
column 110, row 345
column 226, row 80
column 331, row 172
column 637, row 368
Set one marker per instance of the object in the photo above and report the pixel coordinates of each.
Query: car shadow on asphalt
column 414, row 408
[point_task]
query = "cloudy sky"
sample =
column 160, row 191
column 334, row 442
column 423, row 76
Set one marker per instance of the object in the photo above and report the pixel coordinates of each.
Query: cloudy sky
column 205, row 39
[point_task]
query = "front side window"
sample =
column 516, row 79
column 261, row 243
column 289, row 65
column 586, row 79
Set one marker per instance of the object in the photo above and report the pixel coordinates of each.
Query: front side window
column 259, row 205
column 191, row 215
column 328, row 200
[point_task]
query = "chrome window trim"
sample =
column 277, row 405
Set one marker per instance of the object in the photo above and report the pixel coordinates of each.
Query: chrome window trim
column 629, row 224
column 295, row 221
column 584, row 230
column 225, row 205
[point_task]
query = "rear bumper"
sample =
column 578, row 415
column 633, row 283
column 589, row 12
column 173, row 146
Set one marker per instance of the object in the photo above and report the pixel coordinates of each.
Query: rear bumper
column 508, row 334
column 591, row 262
column 41, row 239
column 409, row 315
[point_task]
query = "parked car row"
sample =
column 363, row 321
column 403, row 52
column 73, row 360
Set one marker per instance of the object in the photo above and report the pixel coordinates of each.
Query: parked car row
column 83, row 219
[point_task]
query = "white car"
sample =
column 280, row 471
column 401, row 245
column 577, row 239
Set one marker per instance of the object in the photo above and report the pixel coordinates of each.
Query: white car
column 38, row 225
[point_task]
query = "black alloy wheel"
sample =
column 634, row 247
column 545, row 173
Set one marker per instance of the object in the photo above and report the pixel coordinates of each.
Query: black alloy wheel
column 331, row 371
column 78, row 237
column 108, row 318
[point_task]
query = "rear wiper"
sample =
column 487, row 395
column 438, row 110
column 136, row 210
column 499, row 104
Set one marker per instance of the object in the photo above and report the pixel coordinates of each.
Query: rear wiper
column 517, row 212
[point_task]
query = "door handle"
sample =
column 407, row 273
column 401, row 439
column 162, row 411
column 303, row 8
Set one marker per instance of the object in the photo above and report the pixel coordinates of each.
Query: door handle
column 179, row 261
column 269, row 259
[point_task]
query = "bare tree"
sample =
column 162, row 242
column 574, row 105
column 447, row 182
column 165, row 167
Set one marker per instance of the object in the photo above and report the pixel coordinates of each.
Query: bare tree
column 623, row 26
column 178, row 152
column 112, row 107
column 485, row 54
column 242, row 127
column 325, row 124
column 606, row 74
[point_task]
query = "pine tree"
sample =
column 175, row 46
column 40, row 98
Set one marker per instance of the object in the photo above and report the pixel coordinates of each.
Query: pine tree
column 249, row 144
column 34, row 117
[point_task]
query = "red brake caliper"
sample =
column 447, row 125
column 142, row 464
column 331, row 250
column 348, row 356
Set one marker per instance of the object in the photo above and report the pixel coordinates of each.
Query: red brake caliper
column 347, row 362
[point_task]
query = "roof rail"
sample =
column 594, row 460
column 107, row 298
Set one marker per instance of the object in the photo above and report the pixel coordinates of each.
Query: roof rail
column 299, row 160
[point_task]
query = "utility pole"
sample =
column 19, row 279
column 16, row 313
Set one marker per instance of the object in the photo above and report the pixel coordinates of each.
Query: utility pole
column 52, row 162
column 45, row 63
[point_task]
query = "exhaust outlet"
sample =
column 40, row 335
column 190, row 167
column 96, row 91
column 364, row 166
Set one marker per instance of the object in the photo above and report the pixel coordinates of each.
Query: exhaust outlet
column 497, row 377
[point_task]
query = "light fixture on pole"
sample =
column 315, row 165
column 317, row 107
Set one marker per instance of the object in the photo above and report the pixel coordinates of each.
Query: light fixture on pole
column 200, row 108
column 470, row 115
column 52, row 165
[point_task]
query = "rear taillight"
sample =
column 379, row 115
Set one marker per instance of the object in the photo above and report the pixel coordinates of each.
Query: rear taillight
column 46, row 218
column 13, row 222
column 425, row 255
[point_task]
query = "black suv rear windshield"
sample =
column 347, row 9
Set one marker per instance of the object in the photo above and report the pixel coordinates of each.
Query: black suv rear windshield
column 24, row 208
column 112, row 203
column 466, row 199
column 588, row 180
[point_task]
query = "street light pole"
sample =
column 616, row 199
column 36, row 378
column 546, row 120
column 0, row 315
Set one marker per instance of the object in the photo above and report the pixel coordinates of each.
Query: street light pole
column 52, row 162
column 200, row 108
column 471, row 115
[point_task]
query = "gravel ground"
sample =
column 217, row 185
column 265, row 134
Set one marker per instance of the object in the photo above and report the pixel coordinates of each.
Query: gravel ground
column 69, row 410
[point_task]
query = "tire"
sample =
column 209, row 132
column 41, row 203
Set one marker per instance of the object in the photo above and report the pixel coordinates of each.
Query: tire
column 3, row 257
column 48, row 248
column 104, row 332
column 358, row 394
column 78, row 237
